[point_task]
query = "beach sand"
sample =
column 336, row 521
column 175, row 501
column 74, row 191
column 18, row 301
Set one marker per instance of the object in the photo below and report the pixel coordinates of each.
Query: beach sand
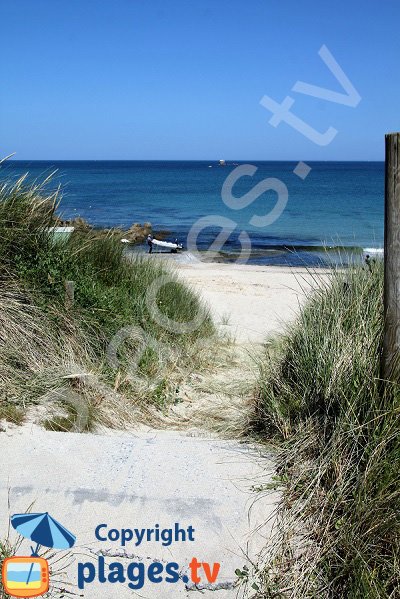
column 193, row 476
column 256, row 301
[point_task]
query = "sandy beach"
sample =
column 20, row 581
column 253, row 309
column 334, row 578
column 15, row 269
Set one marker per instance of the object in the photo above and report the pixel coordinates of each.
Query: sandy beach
column 251, row 302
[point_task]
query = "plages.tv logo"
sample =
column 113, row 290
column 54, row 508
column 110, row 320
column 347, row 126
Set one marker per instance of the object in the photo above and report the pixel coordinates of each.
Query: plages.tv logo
column 138, row 572
column 29, row 576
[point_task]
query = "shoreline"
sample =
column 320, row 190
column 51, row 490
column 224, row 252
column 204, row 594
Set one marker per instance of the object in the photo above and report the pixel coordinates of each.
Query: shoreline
column 267, row 251
column 306, row 257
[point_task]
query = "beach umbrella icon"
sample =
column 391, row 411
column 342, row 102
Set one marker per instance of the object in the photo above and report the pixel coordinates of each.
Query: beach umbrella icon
column 43, row 530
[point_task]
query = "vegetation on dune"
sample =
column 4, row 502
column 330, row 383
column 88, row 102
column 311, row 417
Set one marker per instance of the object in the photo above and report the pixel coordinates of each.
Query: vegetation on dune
column 46, row 346
column 337, row 426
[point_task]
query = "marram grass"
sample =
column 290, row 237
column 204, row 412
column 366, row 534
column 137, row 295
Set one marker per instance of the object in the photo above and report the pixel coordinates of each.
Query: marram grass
column 321, row 397
column 47, row 348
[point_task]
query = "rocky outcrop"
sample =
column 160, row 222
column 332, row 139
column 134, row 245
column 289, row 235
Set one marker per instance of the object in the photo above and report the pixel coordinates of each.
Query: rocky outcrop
column 79, row 223
column 137, row 233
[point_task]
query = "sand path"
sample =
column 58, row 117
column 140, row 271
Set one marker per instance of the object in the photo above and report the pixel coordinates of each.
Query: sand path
column 256, row 301
column 164, row 477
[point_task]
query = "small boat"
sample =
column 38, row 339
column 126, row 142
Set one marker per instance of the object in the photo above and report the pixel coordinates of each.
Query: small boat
column 222, row 163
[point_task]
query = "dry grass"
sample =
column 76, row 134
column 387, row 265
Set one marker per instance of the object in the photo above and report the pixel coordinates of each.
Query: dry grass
column 33, row 359
column 221, row 399
column 60, row 356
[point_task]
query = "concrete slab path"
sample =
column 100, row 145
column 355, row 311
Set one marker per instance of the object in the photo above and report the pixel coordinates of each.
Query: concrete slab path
column 137, row 481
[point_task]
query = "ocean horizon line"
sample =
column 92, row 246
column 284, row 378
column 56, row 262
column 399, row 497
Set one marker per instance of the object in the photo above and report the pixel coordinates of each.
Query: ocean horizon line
column 230, row 160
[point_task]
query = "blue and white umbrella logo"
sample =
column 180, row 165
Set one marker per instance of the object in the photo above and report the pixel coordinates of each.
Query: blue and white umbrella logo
column 43, row 530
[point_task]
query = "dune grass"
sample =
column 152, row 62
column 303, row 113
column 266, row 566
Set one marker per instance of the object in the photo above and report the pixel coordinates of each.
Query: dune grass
column 46, row 345
column 336, row 424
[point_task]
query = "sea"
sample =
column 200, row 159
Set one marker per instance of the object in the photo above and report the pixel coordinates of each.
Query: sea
column 278, row 213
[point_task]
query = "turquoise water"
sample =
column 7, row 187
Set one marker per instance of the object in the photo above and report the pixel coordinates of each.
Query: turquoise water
column 338, row 204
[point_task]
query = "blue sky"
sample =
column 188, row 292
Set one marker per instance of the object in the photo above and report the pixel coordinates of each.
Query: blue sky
column 182, row 79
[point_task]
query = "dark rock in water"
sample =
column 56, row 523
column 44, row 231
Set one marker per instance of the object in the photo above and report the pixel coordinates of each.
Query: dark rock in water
column 79, row 223
column 162, row 235
column 138, row 233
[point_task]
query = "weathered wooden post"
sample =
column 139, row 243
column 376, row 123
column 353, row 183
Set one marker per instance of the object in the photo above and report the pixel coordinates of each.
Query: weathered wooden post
column 391, row 343
column 69, row 294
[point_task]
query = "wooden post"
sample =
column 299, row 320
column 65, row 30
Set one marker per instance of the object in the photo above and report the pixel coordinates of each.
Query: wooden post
column 69, row 294
column 391, row 343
